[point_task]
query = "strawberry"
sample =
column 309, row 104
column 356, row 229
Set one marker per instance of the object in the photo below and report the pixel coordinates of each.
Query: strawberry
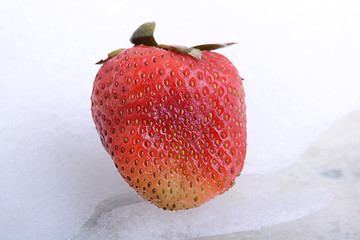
column 172, row 119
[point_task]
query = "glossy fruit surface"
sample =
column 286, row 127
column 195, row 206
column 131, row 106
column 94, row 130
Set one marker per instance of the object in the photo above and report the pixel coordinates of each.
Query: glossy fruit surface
column 174, row 125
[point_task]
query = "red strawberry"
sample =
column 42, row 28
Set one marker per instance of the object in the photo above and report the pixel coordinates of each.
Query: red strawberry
column 172, row 119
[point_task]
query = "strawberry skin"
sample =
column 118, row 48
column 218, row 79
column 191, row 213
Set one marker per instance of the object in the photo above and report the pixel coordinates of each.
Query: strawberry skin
column 174, row 125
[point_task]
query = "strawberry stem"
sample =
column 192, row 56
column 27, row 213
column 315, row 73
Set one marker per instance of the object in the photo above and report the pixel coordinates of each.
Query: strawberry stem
column 144, row 35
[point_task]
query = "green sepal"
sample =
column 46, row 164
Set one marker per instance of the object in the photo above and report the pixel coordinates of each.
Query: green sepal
column 111, row 55
column 214, row 46
column 196, row 53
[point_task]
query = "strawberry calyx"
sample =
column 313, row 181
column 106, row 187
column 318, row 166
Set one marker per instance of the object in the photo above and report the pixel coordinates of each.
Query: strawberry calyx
column 144, row 35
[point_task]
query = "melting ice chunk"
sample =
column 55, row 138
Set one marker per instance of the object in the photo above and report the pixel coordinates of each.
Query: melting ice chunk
column 225, row 214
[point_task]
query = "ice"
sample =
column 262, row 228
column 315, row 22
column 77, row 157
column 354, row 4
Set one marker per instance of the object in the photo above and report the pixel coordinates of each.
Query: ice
column 223, row 215
column 300, row 63
column 325, row 178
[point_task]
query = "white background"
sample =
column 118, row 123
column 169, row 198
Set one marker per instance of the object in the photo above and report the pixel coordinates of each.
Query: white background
column 300, row 61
